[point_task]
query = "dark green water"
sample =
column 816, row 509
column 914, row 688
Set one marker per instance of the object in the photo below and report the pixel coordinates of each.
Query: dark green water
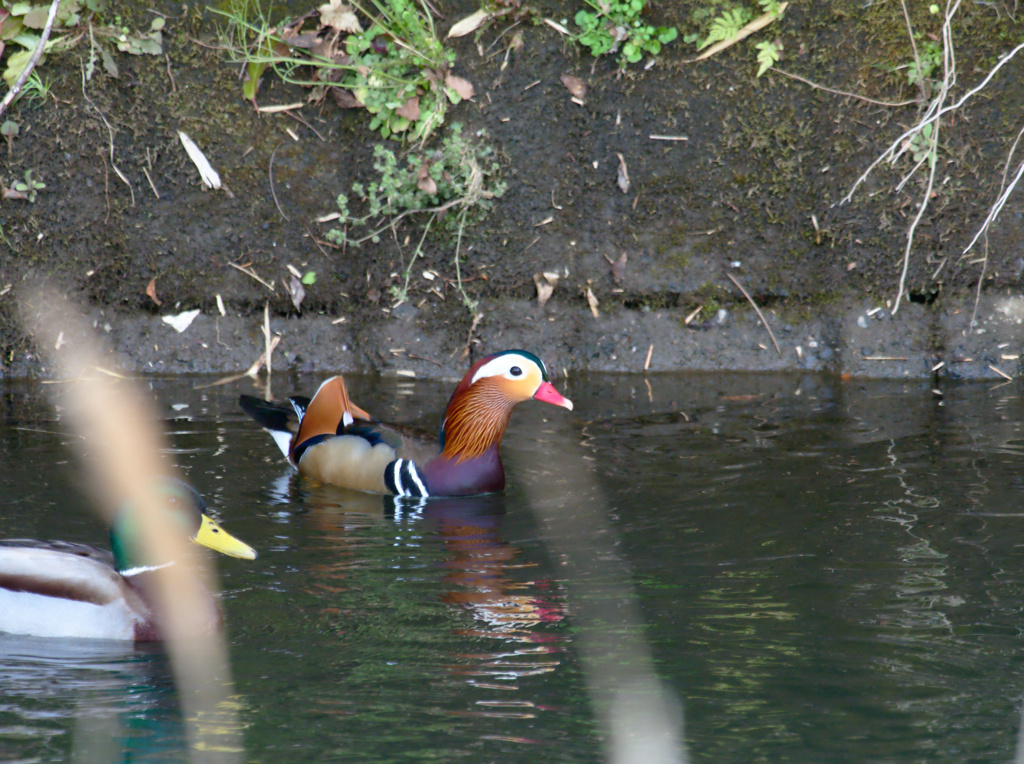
column 814, row 570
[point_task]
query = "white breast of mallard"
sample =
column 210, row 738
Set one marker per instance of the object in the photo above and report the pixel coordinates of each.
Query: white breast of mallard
column 46, row 593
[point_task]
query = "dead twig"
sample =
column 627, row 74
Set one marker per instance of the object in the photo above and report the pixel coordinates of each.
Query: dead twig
column 319, row 244
column 1001, row 373
column 151, row 185
column 252, row 274
column 270, row 171
column 477, row 318
column 110, row 139
column 33, row 59
column 170, row 76
column 422, row 358
column 758, row 311
column 252, row 371
column 816, row 86
column 300, row 120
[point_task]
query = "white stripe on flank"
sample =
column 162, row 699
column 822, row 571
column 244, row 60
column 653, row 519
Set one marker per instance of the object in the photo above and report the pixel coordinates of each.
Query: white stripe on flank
column 416, row 479
column 398, row 477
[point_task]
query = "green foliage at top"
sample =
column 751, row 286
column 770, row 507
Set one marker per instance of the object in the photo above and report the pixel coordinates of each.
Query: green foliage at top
column 21, row 25
column 386, row 58
column 611, row 23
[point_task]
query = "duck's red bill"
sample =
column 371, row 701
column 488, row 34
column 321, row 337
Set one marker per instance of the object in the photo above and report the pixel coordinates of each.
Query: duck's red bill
column 547, row 393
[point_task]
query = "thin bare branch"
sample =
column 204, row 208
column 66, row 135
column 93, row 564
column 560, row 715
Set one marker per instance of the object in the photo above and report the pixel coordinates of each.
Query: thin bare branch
column 758, row 311
column 933, row 147
column 931, row 116
column 816, row 86
column 270, row 172
column 989, row 220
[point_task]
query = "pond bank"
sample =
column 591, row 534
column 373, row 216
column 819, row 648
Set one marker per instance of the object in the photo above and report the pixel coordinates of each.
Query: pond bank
column 862, row 340
column 748, row 193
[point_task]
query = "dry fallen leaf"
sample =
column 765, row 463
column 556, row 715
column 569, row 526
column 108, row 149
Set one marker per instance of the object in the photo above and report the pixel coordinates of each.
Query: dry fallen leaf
column 10, row 193
column 151, row 292
column 618, row 267
column 296, row 291
column 575, row 86
column 410, row 109
column 424, row 182
column 336, row 15
column 623, row 176
column 592, row 302
column 344, row 98
column 469, row 24
column 546, row 283
column 460, row 85
column 306, row 40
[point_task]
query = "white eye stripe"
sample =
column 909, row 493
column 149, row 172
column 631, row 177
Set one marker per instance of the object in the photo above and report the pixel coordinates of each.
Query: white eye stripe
column 503, row 365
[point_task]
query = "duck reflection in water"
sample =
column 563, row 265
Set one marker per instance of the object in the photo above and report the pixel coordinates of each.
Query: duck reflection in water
column 121, row 695
column 483, row 574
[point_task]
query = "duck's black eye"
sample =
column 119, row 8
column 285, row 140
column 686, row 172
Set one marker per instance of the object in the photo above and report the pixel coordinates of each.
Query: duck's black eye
column 515, row 371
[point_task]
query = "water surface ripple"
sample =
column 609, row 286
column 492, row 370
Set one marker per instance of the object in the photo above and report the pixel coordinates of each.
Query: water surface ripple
column 820, row 571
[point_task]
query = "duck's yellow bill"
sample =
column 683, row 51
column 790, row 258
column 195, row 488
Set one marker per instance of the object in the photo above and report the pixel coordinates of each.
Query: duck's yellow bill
column 219, row 540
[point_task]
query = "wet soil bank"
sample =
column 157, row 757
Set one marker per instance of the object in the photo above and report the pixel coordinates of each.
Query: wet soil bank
column 750, row 195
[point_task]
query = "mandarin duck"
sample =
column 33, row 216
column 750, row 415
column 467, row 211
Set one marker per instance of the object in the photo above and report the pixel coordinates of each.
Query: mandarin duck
column 65, row 589
column 330, row 439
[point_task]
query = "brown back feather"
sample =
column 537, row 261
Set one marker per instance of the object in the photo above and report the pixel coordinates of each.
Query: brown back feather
column 326, row 411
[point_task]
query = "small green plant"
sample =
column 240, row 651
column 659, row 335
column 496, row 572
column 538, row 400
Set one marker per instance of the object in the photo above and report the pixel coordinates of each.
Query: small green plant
column 930, row 56
column 725, row 27
column 29, row 187
column 460, row 175
column 609, row 23
column 921, row 145
column 36, row 88
column 454, row 185
column 396, row 67
column 768, row 54
column 9, row 130
column 723, row 23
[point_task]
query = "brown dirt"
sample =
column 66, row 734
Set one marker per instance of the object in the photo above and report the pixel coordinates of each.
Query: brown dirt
column 762, row 156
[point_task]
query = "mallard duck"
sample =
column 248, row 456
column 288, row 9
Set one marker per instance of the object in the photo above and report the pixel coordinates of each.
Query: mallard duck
column 332, row 440
column 64, row 589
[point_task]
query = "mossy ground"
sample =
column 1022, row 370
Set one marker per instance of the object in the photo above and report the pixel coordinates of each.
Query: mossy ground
column 761, row 159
